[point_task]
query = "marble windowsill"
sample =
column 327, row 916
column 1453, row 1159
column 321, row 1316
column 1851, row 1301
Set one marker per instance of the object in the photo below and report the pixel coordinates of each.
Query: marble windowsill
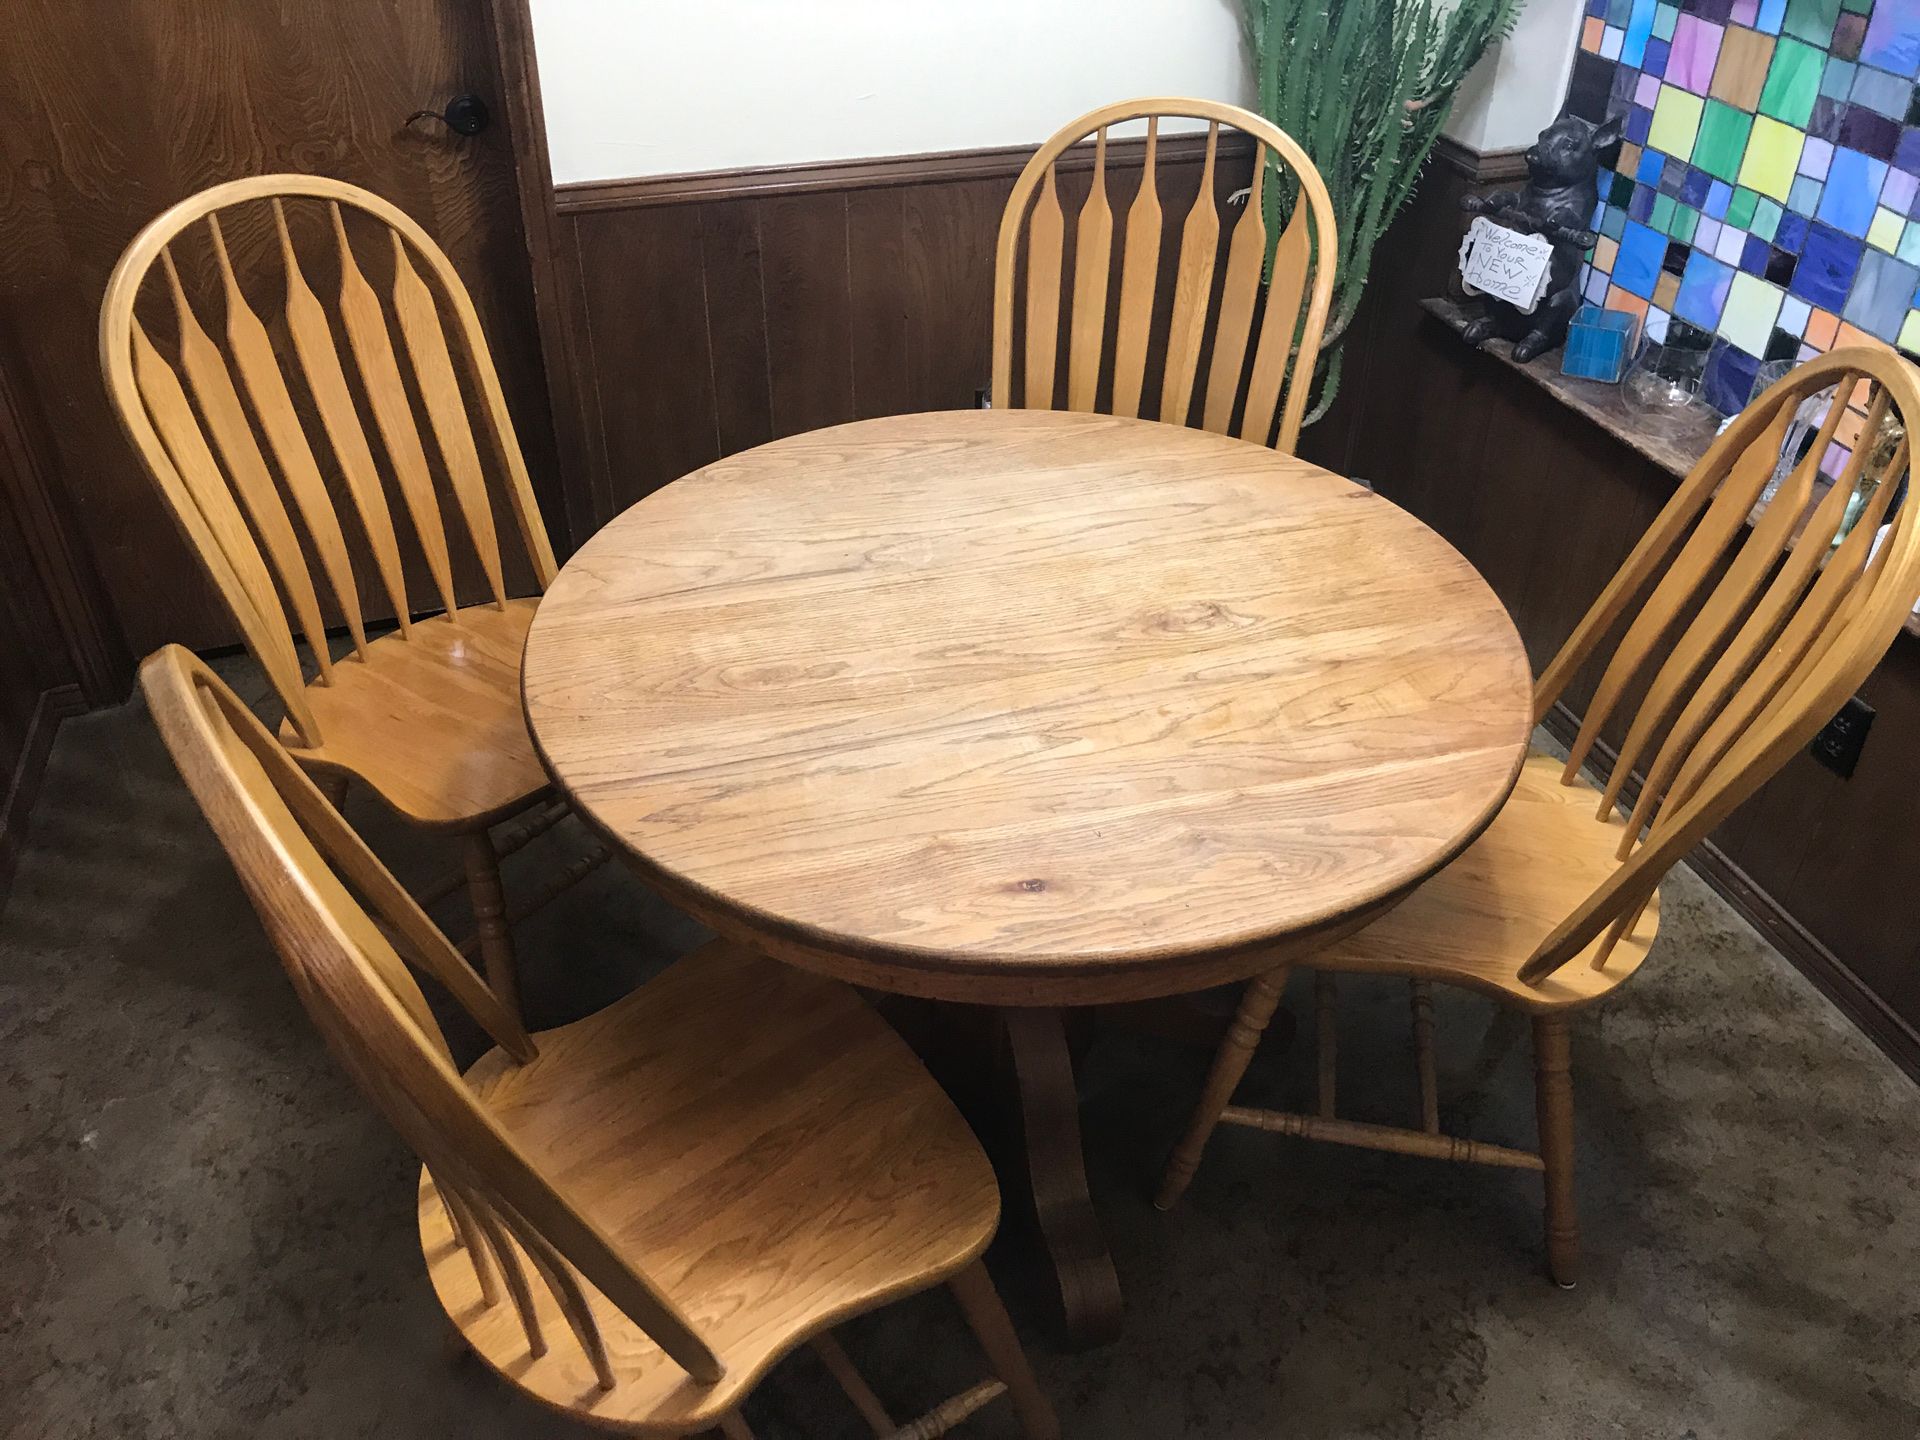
column 1677, row 454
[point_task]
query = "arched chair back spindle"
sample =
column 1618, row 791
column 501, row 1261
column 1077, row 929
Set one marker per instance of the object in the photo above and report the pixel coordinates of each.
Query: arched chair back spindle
column 1740, row 635
column 340, row 923
column 198, row 419
column 1283, row 282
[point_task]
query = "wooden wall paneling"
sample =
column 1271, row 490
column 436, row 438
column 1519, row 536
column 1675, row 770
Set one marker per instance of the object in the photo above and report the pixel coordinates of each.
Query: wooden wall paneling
column 645, row 324
column 948, row 237
column 117, row 109
column 809, row 297
column 880, row 303
column 737, row 324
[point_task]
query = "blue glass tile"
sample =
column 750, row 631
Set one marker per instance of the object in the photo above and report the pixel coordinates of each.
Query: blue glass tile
column 1772, row 12
column 1791, row 233
column 1907, row 153
column 1654, row 62
column 1703, row 291
column 1641, row 206
column 1729, row 377
column 1693, row 190
column 1878, row 90
column 1639, row 30
column 1882, row 295
column 1828, row 261
column 1639, row 122
column 1753, row 255
column 1825, row 121
column 1805, row 195
column 1852, row 191
column 1637, row 266
column 1893, row 37
column 1652, row 165
column 1718, row 194
column 1836, row 81
column 1618, row 11
column 1673, row 176
column 1597, row 8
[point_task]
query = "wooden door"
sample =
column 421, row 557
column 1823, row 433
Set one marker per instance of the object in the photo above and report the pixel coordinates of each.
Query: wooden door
column 111, row 110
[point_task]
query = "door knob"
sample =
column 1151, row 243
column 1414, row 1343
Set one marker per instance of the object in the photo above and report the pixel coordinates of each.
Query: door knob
column 464, row 115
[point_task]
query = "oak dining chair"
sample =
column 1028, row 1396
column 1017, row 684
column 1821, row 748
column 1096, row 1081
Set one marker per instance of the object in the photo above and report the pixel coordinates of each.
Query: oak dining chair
column 1728, row 638
column 427, row 716
column 1117, row 343
column 634, row 1216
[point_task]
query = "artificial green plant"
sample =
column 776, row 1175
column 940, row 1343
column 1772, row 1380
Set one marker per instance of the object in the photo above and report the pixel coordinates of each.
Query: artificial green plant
column 1364, row 86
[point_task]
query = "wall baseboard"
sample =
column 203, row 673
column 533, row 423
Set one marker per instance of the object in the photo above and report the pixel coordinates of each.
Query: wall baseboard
column 1000, row 163
column 1482, row 167
column 1828, row 972
column 23, row 786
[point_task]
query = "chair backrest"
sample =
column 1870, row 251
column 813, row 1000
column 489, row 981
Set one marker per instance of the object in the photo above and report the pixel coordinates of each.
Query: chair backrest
column 1729, row 639
column 336, row 916
column 1264, row 276
column 200, row 440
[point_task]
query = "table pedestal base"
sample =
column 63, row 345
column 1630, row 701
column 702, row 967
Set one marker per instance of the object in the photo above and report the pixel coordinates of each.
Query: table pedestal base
column 1057, row 1176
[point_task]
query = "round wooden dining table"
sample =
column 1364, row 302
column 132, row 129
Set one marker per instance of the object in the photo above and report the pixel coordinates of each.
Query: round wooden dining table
column 1030, row 710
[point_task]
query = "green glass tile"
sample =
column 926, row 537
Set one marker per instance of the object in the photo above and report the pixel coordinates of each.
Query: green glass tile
column 1812, row 20
column 1722, row 139
column 1665, row 17
column 1766, row 219
column 1686, row 220
column 1613, row 222
column 1858, row 7
column 1740, row 208
column 1662, row 217
column 1793, row 82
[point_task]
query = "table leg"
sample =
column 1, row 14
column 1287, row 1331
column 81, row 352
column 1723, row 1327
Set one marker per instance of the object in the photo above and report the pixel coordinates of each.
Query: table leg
column 1057, row 1176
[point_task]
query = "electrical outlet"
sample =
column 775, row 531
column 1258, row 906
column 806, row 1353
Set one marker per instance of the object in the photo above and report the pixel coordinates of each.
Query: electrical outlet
column 1838, row 746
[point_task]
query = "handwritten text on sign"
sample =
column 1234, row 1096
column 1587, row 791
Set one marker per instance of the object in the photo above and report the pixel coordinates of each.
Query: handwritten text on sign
column 1505, row 264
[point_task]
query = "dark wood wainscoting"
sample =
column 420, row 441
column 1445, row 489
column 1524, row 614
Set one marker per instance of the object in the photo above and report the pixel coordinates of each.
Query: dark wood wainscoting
column 1547, row 505
column 707, row 314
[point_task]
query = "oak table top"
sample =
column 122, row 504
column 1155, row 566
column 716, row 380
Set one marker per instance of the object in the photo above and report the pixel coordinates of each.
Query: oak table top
column 1026, row 706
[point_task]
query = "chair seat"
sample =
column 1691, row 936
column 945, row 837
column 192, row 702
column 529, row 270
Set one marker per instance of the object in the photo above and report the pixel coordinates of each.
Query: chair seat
column 1477, row 922
column 432, row 722
column 772, row 1152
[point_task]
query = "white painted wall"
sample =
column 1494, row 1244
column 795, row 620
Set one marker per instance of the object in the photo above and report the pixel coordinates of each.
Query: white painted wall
column 663, row 87
column 1518, row 86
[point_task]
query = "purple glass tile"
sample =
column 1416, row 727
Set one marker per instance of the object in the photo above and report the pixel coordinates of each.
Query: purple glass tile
column 1647, row 90
column 1899, row 191
column 1753, row 256
column 1729, row 378
column 1893, row 37
column 1744, row 12
column 1695, row 48
column 1869, row 132
column 1828, row 261
column 1693, row 190
column 1639, row 122
column 1815, row 156
column 1641, row 206
column 1848, row 34
column 1907, row 153
column 1791, row 232
column 1826, row 119
column 1714, row 10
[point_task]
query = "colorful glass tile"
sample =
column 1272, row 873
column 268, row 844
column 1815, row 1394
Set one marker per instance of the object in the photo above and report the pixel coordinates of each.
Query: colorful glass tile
column 1722, row 139
column 1639, row 30
column 1703, row 291
column 1638, row 265
column 1747, row 318
column 1815, row 156
column 1791, row 233
column 1745, row 12
column 1823, row 327
column 1847, row 36
column 1665, row 17
column 1706, row 234
column 1651, row 167
column 1646, row 90
column 1827, row 264
column 1753, row 255
column 1745, row 57
column 1825, row 120
column 1654, row 62
column 1812, row 20
column 1869, row 132
column 1886, row 229
column 1610, row 42
column 1836, row 78
column 1770, row 16
column 1805, row 195
column 1793, row 82
column 1852, row 190
column 1882, row 294
column 1696, row 46
column 1773, row 153
column 1673, row 175
column 1693, row 190
column 1728, row 380
column 1877, row 90
column 1686, row 220
column 1910, row 332
column 1793, row 315
column 1907, row 153
column 1613, row 223
column 1661, row 216
column 1740, row 211
column 1639, row 118
column 1766, row 215
column 1893, row 37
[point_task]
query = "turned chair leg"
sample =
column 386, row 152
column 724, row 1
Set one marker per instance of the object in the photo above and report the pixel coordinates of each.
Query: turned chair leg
column 1230, row 1062
column 987, row 1318
column 490, row 918
column 1553, row 1102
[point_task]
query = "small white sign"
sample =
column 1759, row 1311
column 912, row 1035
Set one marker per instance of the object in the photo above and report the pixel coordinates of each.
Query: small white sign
column 1505, row 264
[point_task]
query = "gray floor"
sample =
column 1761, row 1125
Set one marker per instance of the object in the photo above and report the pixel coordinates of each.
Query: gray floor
column 203, row 1233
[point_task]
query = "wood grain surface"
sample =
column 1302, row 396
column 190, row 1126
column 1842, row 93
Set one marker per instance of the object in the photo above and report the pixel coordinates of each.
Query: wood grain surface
column 992, row 696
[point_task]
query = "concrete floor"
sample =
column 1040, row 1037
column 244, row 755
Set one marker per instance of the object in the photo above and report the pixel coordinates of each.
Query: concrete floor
column 203, row 1232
